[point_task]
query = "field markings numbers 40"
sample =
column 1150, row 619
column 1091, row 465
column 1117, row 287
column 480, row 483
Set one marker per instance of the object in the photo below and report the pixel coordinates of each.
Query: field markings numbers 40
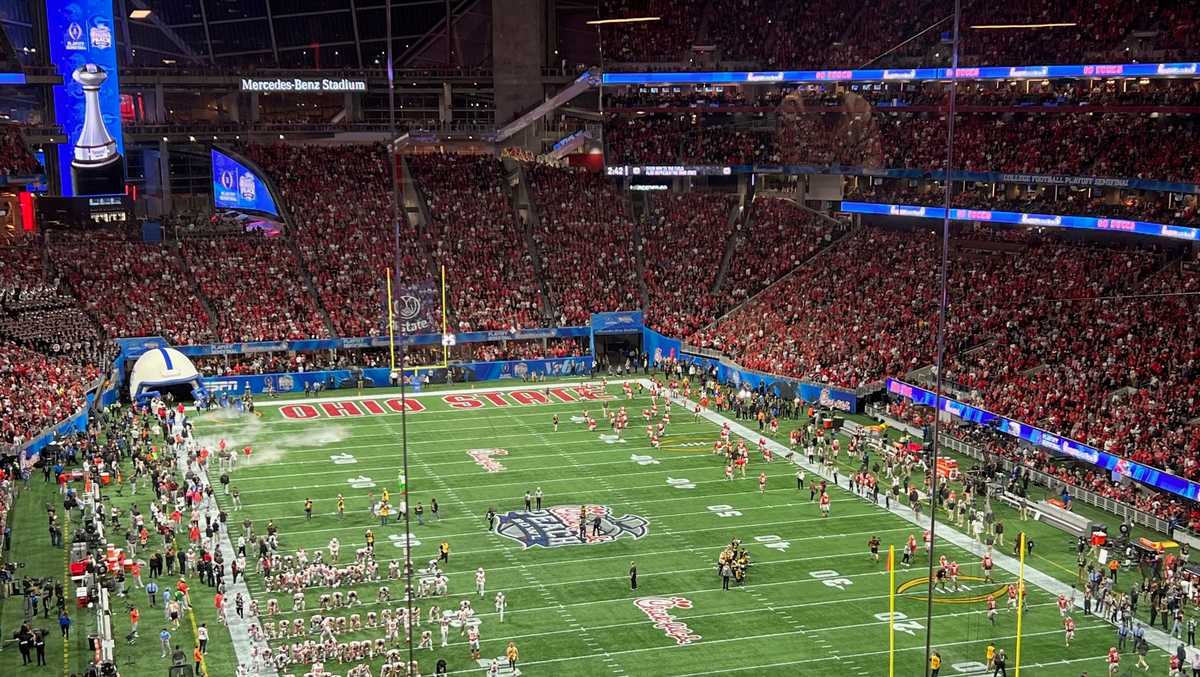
column 902, row 623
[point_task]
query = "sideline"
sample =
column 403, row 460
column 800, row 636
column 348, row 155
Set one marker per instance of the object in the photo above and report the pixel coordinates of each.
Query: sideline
column 1052, row 585
column 243, row 647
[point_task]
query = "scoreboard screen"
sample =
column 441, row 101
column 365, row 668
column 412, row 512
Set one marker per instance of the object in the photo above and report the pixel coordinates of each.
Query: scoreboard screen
column 236, row 186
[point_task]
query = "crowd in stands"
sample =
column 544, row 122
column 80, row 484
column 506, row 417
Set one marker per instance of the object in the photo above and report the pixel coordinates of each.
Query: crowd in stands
column 531, row 349
column 255, row 288
column 685, row 238
column 667, row 39
column 133, row 289
column 670, row 139
column 38, row 391
column 15, row 158
column 779, row 237
column 586, row 242
column 340, row 198
column 37, row 313
column 971, row 96
column 50, row 350
column 838, row 322
column 1089, row 340
column 855, row 33
column 1106, row 145
column 1091, row 145
column 475, row 235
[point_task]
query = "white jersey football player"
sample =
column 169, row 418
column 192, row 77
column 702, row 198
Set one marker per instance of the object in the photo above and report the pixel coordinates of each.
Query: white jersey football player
column 501, row 605
column 480, row 578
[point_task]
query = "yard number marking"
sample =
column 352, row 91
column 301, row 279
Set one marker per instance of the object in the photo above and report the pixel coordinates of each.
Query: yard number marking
column 774, row 542
column 831, row 579
column 901, row 623
column 398, row 541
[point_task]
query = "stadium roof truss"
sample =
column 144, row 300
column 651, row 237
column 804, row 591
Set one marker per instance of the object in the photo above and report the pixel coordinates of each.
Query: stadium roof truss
column 294, row 33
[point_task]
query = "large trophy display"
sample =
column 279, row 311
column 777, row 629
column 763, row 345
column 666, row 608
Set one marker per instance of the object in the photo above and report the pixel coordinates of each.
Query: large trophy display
column 97, row 167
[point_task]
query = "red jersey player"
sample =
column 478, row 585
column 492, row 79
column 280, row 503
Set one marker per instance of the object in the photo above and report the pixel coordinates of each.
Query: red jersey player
column 825, row 505
column 1114, row 660
column 1069, row 628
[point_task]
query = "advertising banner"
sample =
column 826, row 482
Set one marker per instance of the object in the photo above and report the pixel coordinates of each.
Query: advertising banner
column 1056, row 444
column 88, row 103
column 416, row 308
column 1022, row 219
column 617, row 323
column 294, row 382
column 839, row 399
column 660, row 348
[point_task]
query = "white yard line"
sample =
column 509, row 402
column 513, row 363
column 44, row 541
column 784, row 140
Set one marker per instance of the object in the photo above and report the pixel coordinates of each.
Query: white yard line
column 773, row 635
column 1052, row 585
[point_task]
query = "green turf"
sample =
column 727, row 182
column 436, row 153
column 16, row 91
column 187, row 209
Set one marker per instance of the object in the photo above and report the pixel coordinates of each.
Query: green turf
column 814, row 602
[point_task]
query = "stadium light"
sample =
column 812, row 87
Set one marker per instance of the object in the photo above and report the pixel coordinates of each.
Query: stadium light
column 139, row 14
column 1005, row 27
column 627, row 20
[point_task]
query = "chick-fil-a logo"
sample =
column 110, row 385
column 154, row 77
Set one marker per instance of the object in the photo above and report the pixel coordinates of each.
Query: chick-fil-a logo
column 658, row 609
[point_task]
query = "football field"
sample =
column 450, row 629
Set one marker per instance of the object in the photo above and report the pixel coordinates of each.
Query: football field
column 813, row 601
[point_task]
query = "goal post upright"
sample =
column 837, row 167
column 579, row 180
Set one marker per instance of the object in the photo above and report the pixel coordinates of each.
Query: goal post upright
column 891, row 610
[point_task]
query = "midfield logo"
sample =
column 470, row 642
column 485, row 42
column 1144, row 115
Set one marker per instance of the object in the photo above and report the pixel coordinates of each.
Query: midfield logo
column 558, row 526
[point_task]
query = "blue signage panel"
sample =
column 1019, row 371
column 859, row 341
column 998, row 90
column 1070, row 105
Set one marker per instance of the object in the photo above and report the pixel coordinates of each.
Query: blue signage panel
column 1022, row 219
column 1147, row 70
column 618, row 322
column 236, row 186
column 88, row 103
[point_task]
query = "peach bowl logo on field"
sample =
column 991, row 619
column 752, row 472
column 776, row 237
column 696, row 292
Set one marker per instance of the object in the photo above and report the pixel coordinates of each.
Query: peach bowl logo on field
column 658, row 609
column 486, row 458
column 559, row 526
